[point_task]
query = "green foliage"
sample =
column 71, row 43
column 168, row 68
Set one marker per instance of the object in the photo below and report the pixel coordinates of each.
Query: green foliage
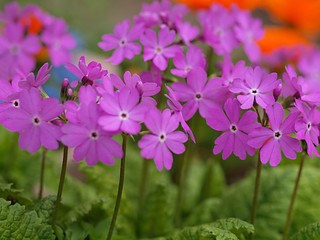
column 18, row 223
column 274, row 197
column 156, row 217
column 224, row 229
column 309, row 232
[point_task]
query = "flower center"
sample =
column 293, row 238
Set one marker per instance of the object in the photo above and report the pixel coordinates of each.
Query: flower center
column 158, row 50
column 162, row 137
column 187, row 69
column 94, row 135
column 277, row 134
column 122, row 42
column 254, row 91
column 123, row 115
column 36, row 121
column 233, row 128
column 16, row 103
column 309, row 125
column 15, row 49
column 198, row 96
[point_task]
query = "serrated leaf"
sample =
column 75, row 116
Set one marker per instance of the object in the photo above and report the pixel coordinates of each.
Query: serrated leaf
column 156, row 217
column 223, row 229
column 17, row 223
column 11, row 194
column 309, row 232
column 44, row 208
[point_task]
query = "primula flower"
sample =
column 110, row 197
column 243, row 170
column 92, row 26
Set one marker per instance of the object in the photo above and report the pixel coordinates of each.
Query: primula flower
column 307, row 127
column 291, row 83
column 177, row 110
column 163, row 139
column 58, row 41
column 187, row 32
column 257, row 86
column 194, row 58
column 122, row 111
column 235, row 127
column 276, row 139
column 91, row 142
column 197, row 92
column 248, row 31
column 17, row 49
column 87, row 74
column 123, row 40
column 32, row 119
column 36, row 82
column 158, row 48
column 231, row 72
column 217, row 24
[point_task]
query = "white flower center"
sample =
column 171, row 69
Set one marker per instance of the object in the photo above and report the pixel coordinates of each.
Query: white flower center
column 123, row 115
column 158, row 50
column 233, row 128
column 254, row 91
column 122, row 42
column 162, row 137
column 16, row 103
column 94, row 135
column 309, row 126
column 36, row 121
column 277, row 134
column 198, row 96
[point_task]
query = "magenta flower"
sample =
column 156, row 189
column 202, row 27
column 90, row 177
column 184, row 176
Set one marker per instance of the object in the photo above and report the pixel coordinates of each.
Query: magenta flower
column 36, row 82
column 257, row 86
column 159, row 49
column 122, row 111
column 194, row 58
column 123, row 40
column 87, row 74
column 177, row 110
column 59, row 42
column 163, row 139
column 187, row 32
column 307, row 127
column 291, row 83
column 91, row 142
column 197, row 92
column 235, row 127
column 33, row 120
column 248, row 31
column 276, row 139
column 17, row 49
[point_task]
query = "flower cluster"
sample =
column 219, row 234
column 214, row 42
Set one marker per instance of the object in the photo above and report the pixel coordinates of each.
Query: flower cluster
column 247, row 104
column 29, row 35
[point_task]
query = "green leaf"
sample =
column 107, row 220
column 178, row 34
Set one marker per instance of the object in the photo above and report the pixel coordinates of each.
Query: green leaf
column 17, row 223
column 44, row 208
column 11, row 194
column 309, row 232
column 156, row 217
column 223, row 229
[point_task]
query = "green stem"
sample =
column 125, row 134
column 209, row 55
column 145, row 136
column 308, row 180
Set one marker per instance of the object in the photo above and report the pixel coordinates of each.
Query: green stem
column 120, row 187
column 293, row 198
column 256, row 194
column 61, row 183
column 43, row 161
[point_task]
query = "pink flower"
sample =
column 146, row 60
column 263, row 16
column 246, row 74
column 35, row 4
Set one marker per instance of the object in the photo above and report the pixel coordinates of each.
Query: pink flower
column 307, row 127
column 122, row 111
column 257, row 86
column 163, row 139
column 87, row 74
column 91, row 142
column 194, row 58
column 123, row 40
column 33, row 120
column 197, row 92
column 36, row 82
column 159, row 49
column 276, row 139
column 235, row 127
